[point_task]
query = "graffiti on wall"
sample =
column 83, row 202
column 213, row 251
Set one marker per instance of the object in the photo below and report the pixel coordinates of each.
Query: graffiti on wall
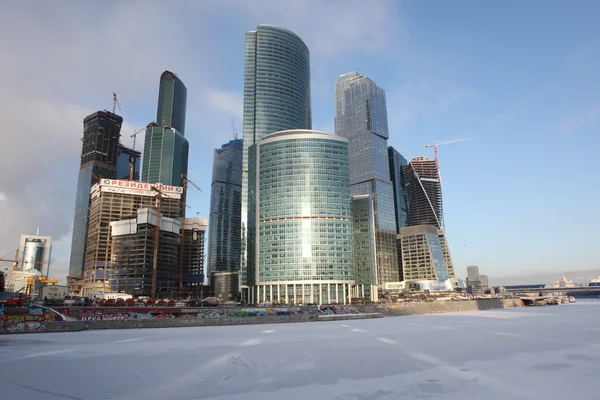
column 26, row 318
column 127, row 316
column 26, row 327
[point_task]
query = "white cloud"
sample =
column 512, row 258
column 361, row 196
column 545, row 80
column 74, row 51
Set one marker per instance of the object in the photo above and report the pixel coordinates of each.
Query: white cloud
column 227, row 102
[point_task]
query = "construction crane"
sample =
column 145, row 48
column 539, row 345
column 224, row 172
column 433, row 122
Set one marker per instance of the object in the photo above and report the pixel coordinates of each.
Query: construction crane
column 186, row 181
column 159, row 194
column 435, row 148
column 135, row 133
column 41, row 279
column 115, row 103
column 235, row 134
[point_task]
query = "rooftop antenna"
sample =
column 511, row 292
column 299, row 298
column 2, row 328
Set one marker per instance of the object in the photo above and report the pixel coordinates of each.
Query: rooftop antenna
column 115, row 103
column 235, row 135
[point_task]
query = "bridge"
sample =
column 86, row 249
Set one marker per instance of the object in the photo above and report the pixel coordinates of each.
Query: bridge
column 592, row 290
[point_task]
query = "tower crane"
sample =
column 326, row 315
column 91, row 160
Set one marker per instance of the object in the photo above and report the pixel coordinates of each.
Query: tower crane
column 186, row 181
column 435, row 148
column 115, row 103
column 135, row 133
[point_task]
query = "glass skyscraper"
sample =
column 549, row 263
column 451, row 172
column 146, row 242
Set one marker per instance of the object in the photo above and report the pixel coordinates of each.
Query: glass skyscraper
column 165, row 156
column 397, row 162
column 299, row 223
column 361, row 117
column 165, row 148
column 276, row 95
column 100, row 143
column 224, row 244
column 172, row 100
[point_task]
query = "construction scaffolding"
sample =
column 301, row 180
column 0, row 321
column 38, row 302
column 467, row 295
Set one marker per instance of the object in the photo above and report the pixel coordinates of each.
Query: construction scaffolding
column 193, row 254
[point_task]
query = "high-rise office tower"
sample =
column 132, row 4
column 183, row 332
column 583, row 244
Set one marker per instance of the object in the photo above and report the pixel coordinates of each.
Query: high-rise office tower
column 34, row 253
column 101, row 133
column 127, row 158
column 425, row 207
column 361, row 117
column 193, row 256
column 172, row 100
column 299, row 222
column 166, row 148
column 224, row 235
column 276, row 95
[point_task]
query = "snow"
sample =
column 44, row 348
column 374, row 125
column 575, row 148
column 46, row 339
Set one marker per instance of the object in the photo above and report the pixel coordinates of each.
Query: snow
column 525, row 353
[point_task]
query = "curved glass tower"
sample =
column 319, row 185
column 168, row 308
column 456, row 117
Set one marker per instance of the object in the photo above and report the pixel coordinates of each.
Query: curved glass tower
column 299, row 223
column 276, row 95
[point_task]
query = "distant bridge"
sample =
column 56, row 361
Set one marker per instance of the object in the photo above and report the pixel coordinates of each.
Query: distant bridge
column 570, row 291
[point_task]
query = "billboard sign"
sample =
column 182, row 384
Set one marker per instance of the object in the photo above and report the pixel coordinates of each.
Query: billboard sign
column 140, row 188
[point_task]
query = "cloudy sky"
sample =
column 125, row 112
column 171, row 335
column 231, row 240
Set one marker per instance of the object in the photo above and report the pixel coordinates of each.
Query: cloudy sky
column 519, row 78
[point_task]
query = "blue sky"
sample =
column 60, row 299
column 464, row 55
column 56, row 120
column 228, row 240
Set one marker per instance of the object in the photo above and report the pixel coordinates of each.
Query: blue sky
column 519, row 78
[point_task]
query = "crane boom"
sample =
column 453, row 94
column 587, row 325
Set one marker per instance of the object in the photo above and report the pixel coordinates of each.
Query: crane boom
column 135, row 133
column 115, row 103
column 435, row 148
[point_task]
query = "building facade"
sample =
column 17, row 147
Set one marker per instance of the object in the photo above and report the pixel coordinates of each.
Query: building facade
column 299, row 221
column 193, row 253
column 99, row 154
column 472, row 274
column 132, row 255
column 116, row 200
column 225, row 285
column 424, row 267
column 128, row 157
column 276, row 97
column 34, row 253
column 364, row 246
column 424, row 190
column 396, row 163
column 165, row 148
column 361, row 117
column 172, row 102
column 224, row 244
column 165, row 156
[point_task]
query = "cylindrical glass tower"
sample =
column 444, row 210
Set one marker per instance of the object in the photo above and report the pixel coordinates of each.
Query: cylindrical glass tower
column 299, row 225
column 276, row 97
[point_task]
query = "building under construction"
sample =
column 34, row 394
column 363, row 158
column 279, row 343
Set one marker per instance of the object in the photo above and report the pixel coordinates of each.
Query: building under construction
column 133, row 250
column 116, row 200
column 424, row 189
column 193, row 252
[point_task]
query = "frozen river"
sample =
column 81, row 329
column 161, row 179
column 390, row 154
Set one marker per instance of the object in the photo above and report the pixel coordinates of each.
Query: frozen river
column 529, row 353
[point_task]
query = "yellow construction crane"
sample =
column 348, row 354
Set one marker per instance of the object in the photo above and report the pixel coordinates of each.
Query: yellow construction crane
column 33, row 280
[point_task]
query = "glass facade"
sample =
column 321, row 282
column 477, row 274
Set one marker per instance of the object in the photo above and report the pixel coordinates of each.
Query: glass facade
column 300, row 229
column 422, row 257
column 363, row 238
column 165, row 156
column 172, row 100
column 424, row 191
column 225, row 209
column 99, row 154
column 276, row 96
column 124, row 159
column 361, row 117
column 397, row 162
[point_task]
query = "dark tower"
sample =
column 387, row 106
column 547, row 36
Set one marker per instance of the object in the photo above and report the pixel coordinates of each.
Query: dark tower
column 99, row 154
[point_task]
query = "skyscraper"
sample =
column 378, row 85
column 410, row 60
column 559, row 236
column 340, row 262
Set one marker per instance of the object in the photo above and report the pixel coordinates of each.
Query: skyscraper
column 101, row 133
column 127, row 157
column 299, row 223
column 172, row 99
column 424, row 189
column 276, row 95
column 472, row 274
column 361, row 117
column 425, row 207
column 224, row 244
column 165, row 147
column 34, row 253
column 396, row 163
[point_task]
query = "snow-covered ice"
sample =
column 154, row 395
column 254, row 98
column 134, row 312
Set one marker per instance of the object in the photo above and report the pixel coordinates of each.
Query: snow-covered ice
column 527, row 353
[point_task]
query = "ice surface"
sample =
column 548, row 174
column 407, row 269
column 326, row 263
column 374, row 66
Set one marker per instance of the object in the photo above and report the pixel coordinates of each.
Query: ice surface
column 528, row 353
